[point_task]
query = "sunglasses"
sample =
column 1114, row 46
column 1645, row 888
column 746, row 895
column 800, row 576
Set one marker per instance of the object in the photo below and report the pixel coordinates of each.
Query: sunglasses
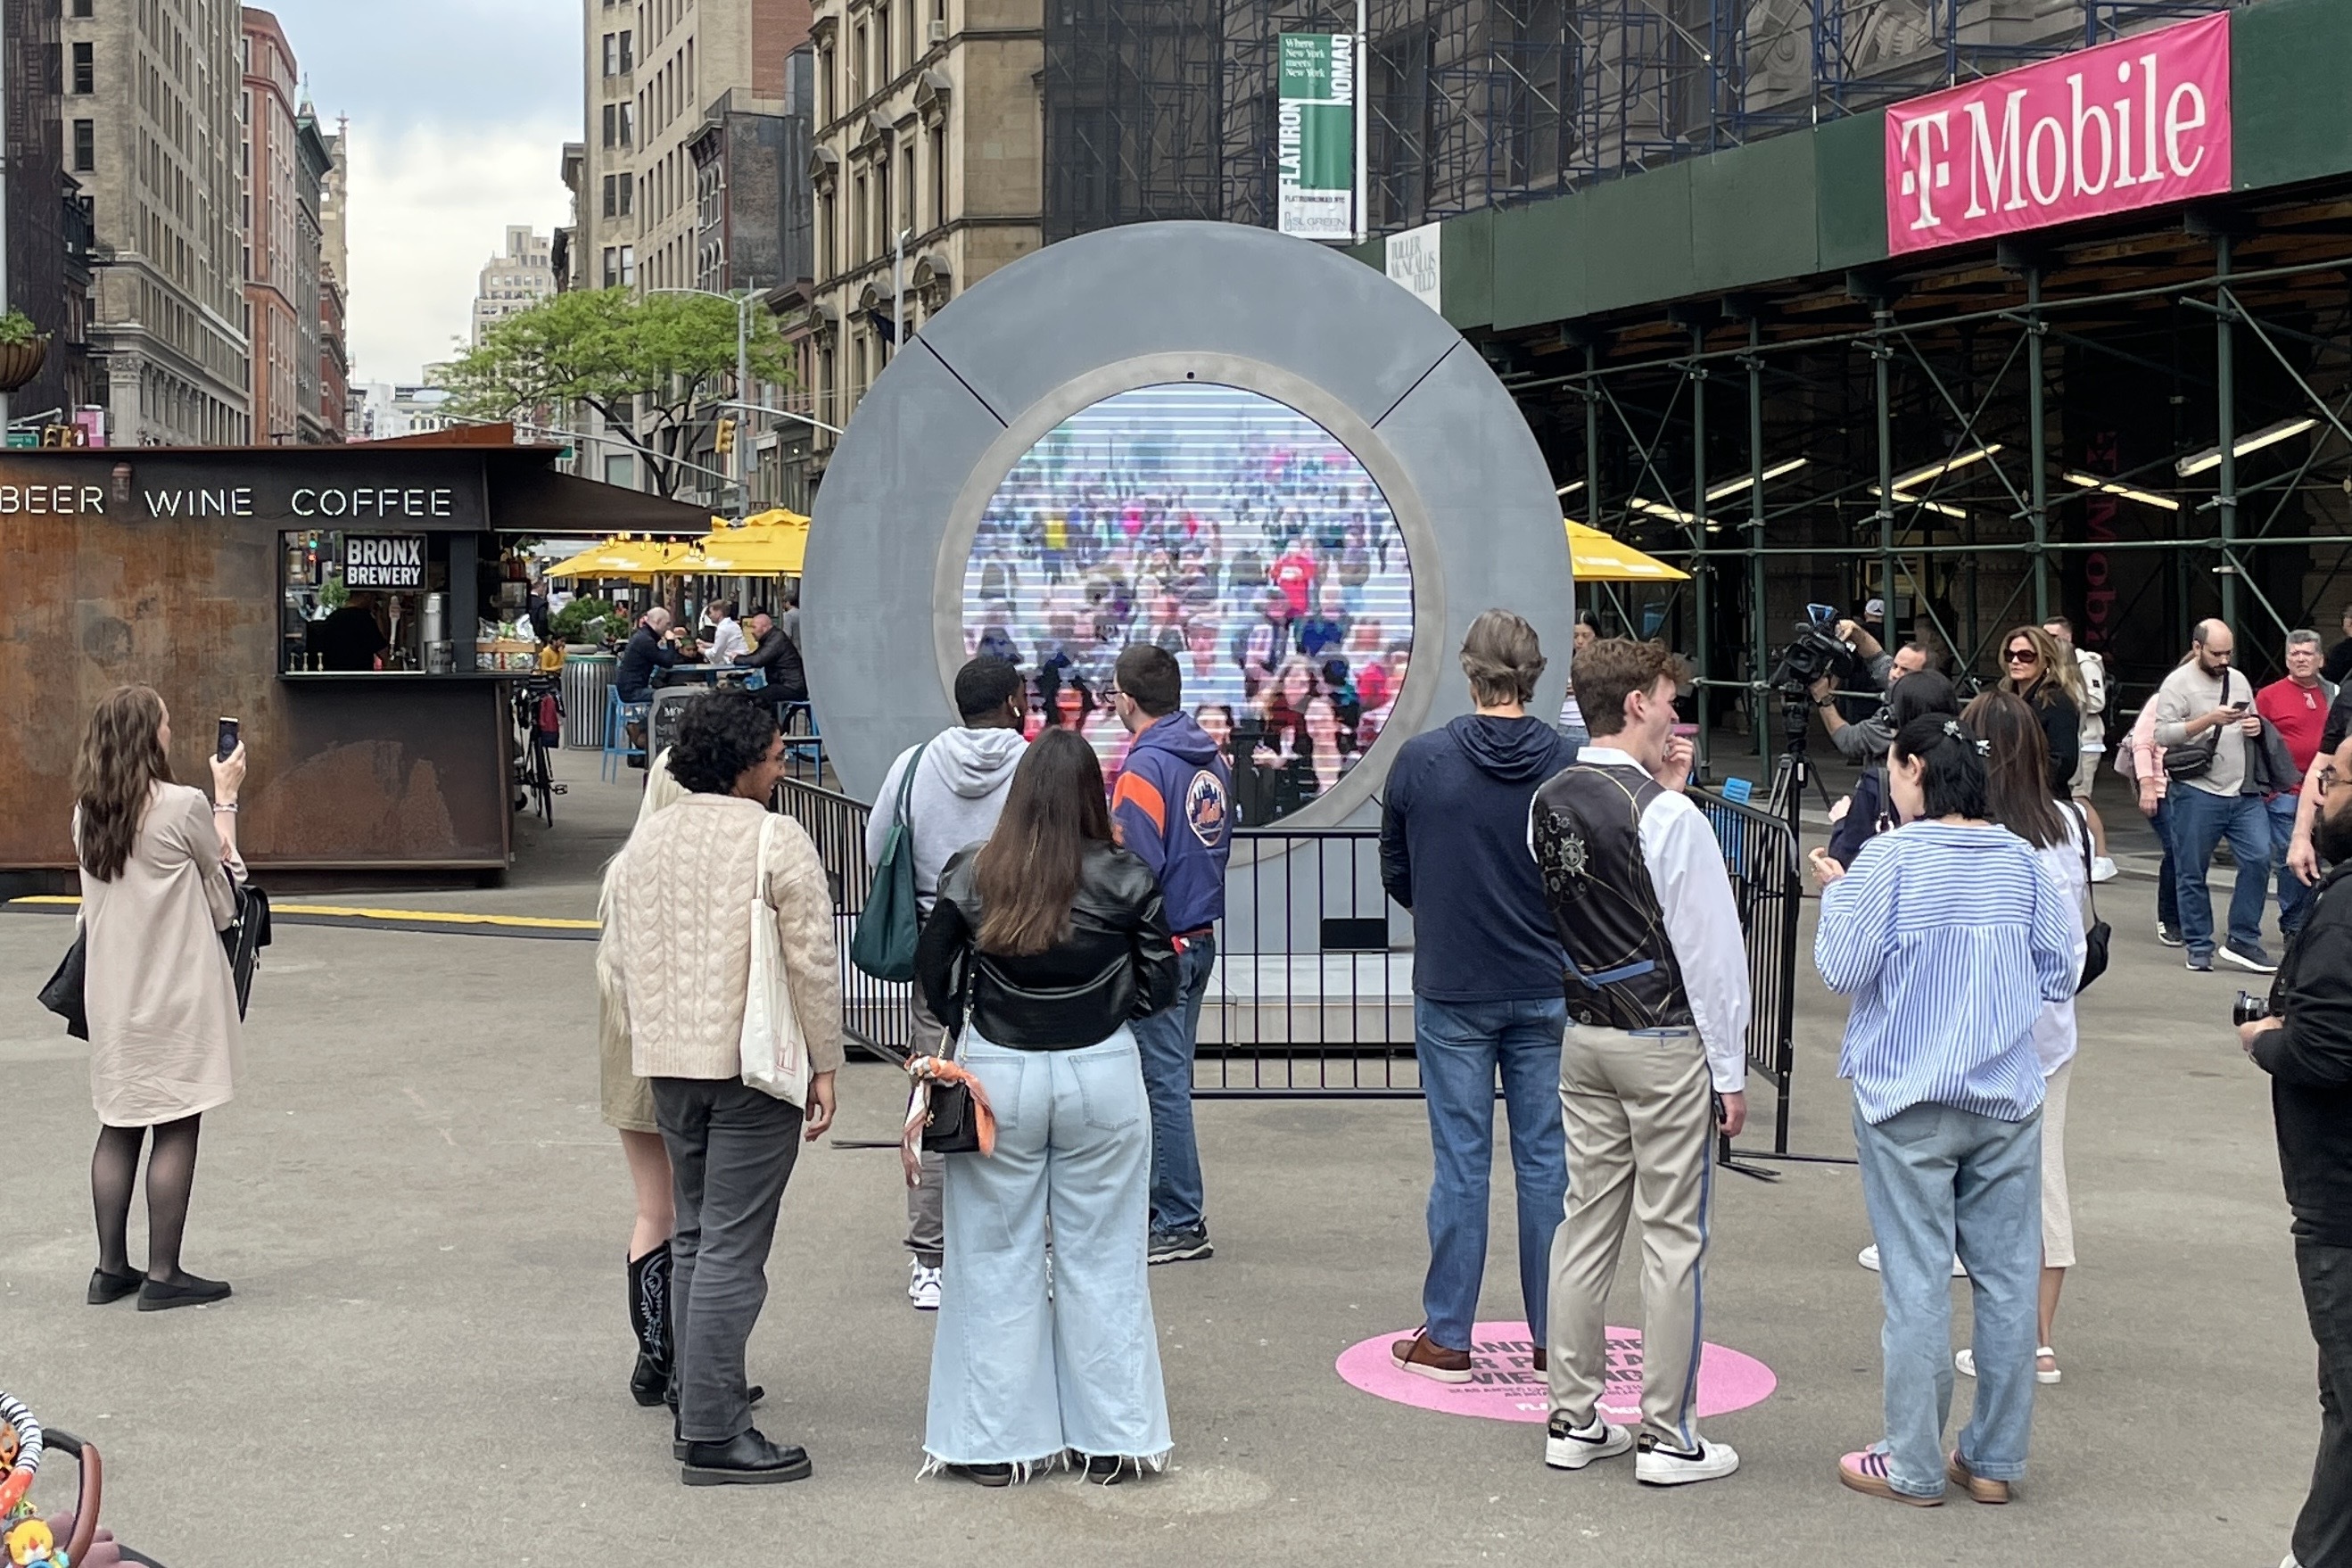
column 2023, row 655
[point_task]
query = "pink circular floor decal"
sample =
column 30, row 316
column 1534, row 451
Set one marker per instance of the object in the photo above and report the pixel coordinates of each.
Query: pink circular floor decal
column 1504, row 1385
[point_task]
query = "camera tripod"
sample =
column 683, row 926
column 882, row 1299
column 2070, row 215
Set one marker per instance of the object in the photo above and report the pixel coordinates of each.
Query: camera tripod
column 1794, row 769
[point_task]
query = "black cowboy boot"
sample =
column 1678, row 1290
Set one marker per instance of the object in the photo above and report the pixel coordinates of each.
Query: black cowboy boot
column 649, row 1315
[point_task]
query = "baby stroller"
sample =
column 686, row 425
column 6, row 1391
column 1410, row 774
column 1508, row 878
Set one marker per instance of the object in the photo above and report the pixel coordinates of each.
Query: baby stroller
column 71, row 1540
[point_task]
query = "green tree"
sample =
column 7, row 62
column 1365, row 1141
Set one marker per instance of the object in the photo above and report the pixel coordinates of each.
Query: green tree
column 653, row 366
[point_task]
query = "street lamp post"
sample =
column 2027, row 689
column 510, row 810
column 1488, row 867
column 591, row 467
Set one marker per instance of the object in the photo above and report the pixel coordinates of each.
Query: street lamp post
column 743, row 302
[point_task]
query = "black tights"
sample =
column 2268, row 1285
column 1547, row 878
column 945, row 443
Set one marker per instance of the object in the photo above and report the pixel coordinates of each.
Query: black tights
column 171, row 1175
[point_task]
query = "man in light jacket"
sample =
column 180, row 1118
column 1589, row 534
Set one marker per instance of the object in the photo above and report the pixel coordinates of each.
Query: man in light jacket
column 959, row 790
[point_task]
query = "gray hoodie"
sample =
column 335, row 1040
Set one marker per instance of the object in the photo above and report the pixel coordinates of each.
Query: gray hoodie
column 959, row 790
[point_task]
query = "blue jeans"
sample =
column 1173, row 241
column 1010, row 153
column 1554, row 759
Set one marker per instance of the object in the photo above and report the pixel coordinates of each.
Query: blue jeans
column 2200, row 821
column 1937, row 1180
column 2295, row 898
column 1019, row 1375
column 1461, row 1046
column 1167, row 1038
column 2167, row 890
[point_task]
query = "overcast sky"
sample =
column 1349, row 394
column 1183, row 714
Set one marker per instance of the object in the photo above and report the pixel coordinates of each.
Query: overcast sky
column 459, row 111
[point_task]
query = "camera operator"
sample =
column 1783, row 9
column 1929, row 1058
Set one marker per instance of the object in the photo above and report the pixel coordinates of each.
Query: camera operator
column 2306, row 1045
column 1866, row 741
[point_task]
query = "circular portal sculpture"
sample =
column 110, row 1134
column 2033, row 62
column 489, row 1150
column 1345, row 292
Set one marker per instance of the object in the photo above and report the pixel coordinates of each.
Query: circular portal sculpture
column 1249, row 449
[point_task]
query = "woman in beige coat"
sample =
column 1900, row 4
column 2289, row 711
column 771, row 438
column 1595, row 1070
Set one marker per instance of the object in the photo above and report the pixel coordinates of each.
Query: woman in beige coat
column 157, row 865
column 683, row 898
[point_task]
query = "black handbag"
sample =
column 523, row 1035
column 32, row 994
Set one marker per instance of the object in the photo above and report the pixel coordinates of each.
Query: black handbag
column 2194, row 759
column 2096, row 940
column 950, row 1127
column 62, row 994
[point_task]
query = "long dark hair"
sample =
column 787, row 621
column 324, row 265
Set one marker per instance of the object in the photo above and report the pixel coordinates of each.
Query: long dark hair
column 121, row 760
column 1954, row 783
column 2018, row 783
column 1027, row 873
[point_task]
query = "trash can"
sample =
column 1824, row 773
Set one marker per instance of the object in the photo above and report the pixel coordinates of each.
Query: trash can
column 587, row 677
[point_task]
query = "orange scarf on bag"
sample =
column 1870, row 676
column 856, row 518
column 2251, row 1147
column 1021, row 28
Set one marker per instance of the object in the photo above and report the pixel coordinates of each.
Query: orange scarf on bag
column 926, row 1070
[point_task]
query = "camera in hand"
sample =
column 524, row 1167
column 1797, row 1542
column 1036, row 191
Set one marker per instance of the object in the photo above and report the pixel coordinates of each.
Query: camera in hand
column 2249, row 1009
column 1814, row 652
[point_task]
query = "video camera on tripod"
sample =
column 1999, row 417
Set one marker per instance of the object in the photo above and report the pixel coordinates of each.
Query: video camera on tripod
column 1815, row 653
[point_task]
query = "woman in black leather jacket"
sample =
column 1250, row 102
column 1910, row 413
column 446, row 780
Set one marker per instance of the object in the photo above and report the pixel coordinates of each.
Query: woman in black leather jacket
column 1045, row 940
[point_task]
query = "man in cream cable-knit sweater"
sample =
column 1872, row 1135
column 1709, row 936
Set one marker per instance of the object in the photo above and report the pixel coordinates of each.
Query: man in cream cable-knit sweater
column 682, row 899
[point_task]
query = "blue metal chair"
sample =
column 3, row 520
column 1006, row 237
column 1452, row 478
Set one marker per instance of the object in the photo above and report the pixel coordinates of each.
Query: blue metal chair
column 803, row 745
column 618, row 716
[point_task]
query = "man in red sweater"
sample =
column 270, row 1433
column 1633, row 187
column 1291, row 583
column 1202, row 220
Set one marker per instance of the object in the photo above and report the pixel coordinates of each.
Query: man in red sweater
column 2296, row 704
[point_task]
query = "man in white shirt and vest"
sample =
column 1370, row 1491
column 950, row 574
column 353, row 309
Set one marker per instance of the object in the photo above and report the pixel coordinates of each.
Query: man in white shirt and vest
column 1658, row 1004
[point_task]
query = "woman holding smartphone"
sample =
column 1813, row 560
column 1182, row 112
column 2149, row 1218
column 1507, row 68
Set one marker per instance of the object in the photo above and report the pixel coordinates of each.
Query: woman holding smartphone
column 158, row 863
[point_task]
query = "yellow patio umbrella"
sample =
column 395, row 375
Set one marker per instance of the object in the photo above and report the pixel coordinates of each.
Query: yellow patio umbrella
column 747, row 552
column 634, row 558
column 1597, row 558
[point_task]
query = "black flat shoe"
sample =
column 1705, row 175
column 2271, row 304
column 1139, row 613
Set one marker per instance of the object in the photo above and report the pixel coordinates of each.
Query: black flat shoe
column 105, row 1287
column 747, row 1460
column 1108, row 1469
column 983, row 1475
column 187, row 1290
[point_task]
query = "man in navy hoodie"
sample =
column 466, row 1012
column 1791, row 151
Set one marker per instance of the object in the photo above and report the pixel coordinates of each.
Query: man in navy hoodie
column 1488, row 993
column 1174, row 806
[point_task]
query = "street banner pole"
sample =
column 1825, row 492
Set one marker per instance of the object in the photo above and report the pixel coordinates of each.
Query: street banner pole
column 1363, row 47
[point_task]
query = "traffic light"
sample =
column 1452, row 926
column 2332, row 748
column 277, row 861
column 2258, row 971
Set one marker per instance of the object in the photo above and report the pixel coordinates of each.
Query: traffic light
column 726, row 437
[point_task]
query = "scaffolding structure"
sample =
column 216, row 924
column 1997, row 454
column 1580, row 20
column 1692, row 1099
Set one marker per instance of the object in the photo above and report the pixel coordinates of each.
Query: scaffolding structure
column 2136, row 430
column 1166, row 109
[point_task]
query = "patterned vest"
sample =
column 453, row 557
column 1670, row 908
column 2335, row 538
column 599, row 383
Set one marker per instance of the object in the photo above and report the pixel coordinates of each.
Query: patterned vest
column 1621, row 972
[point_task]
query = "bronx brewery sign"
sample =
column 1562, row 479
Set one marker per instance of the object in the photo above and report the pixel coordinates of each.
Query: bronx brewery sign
column 2134, row 123
column 384, row 561
column 1316, row 138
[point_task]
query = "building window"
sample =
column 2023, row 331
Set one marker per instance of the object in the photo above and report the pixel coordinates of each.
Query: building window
column 611, row 267
column 85, row 146
column 620, row 468
column 629, row 265
column 612, row 54
column 628, row 125
column 882, row 44
column 612, row 125
column 939, row 174
column 612, row 196
column 907, row 185
column 859, row 68
column 628, row 51
column 85, row 69
column 81, row 7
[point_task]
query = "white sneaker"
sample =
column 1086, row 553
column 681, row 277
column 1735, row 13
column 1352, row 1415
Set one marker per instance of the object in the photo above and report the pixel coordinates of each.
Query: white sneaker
column 1570, row 1447
column 1657, row 1467
column 923, row 1288
column 2103, row 869
column 1868, row 1258
column 1964, row 1361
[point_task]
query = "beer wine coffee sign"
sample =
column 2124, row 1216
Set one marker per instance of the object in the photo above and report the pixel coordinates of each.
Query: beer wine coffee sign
column 1317, row 136
column 2134, row 123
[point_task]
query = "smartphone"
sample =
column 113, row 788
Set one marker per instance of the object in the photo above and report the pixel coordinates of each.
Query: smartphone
column 1687, row 731
column 225, row 747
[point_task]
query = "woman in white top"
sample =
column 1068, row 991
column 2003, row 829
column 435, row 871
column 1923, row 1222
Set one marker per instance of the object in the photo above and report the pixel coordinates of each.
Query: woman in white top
column 2021, row 802
column 1571, row 716
column 158, row 861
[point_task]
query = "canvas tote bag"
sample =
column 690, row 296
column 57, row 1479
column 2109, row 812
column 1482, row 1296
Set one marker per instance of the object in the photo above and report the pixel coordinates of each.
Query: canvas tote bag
column 775, row 1052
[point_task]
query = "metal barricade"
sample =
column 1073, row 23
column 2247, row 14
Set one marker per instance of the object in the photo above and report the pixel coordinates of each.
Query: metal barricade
column 1310, row 996
column 873, row 1012
column 1760, row 850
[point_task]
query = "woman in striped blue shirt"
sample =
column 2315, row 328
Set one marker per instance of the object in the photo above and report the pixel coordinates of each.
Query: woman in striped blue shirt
column 1949, row 938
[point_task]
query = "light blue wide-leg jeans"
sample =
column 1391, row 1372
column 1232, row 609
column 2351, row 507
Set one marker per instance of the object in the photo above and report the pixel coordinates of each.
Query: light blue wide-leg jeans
column 1018, row 1378
column 1938, row 1179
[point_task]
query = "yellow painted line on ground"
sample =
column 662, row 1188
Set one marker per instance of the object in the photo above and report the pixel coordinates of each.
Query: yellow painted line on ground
column 346, row 912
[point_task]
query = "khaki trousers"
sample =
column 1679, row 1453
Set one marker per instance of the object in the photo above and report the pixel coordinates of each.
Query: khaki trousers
column 1641, row 1133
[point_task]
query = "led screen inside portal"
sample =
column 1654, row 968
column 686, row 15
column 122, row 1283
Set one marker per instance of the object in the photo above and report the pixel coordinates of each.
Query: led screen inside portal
column 1230, row 529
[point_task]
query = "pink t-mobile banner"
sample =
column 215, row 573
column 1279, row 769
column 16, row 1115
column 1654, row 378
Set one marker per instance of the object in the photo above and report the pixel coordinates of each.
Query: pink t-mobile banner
column 2134, row 123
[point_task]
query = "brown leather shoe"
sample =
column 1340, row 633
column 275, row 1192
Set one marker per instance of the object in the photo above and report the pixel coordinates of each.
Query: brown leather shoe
column 1424, row 1356
column 1543, row 1363
column 1983, row 1490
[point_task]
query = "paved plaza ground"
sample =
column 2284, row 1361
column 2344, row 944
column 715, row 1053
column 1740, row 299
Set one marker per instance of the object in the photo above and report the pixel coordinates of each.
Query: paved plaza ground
column 424, row 1362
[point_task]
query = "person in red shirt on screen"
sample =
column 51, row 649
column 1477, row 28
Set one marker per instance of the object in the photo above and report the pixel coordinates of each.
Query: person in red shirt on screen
column 1294, row 573
column 2296, row 706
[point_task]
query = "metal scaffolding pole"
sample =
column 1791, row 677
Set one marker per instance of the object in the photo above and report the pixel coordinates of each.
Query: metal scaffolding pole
column 2225, row 407
column 1592, row 433
column 1883, row 355
column 2037, row 443
column 1698, row 535
column 1760, row 651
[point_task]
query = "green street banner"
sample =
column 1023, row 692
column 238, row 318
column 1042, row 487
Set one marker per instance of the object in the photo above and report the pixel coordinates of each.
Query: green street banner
column 1317, row 136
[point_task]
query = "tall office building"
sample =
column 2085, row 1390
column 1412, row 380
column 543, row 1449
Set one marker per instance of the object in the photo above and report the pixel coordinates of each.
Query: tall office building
column 48, row 270
column 654, row 72
column 514, row 281
column 152, row 91
column 270, row 207
column 334, row 285
column 313, row 161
